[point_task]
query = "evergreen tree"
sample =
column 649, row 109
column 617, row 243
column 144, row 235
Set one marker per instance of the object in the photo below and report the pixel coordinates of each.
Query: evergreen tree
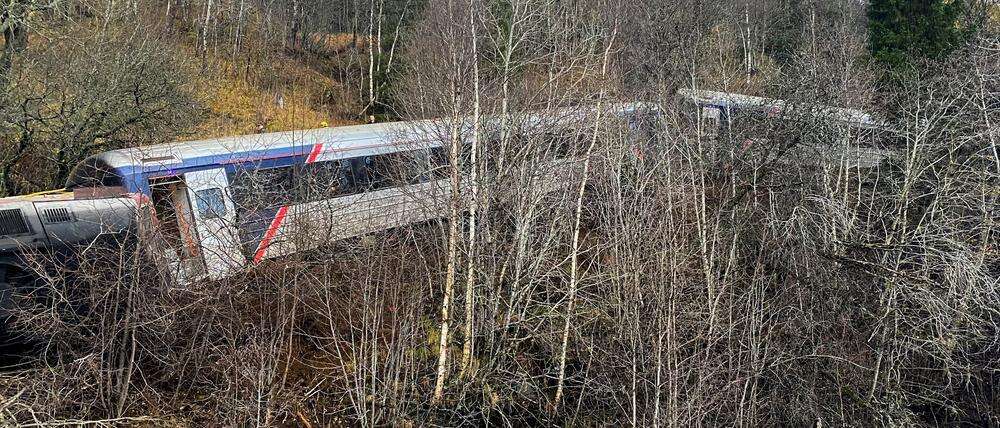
column 901, row 31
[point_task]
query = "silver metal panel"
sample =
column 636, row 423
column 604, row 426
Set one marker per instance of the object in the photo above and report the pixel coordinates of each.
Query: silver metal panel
column 35, row 235
column 89, row 219
column 217, row 234
column 354, row 140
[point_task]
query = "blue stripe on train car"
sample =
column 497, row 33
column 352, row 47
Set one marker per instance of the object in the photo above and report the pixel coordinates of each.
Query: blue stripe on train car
column 251, row 224
column 137, row 177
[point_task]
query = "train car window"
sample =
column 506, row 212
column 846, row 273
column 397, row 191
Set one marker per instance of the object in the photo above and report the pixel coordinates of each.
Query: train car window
column 390, row 168
column 210, row 203
column 417, row 166
column 258, row 189
column 438, row 162
column 238, row 187
column 308, row 186
column 344, row 173
column 94, row 172
column 369, row 173
column 360, row 170
column 324, row 180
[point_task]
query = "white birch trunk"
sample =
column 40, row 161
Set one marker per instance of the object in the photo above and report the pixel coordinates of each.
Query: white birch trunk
column 453, row 220
column 474, row 180
column 574, row 256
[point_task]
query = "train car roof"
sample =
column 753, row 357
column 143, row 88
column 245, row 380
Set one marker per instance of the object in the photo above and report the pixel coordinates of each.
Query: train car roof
column 284, row 143
column 782, row 107
column 242, row 148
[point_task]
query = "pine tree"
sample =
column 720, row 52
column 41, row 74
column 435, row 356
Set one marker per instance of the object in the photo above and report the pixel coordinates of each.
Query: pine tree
column 901, row 31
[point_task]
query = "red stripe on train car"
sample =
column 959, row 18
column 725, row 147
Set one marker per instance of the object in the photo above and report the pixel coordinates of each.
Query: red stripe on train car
column 280, row 216
column 269, row 235
column 317, row 148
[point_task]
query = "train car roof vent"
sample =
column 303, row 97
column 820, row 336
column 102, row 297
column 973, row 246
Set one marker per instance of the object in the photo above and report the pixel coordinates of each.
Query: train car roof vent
column 159, row 159
column 56, row 215
column 12, row 223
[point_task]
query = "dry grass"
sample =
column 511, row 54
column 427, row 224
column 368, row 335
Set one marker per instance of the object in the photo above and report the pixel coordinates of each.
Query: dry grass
column 299, row 97
column 334, row 43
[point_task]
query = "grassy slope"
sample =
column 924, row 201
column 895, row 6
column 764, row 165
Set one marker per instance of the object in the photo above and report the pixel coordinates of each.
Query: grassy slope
column 295, row 96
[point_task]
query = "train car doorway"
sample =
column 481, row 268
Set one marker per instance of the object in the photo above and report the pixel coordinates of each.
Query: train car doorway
column 215, row 221
column 174, row 226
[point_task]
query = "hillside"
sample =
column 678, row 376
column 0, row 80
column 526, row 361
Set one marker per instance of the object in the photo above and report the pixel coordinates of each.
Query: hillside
column 647, row 213
column 294, row 94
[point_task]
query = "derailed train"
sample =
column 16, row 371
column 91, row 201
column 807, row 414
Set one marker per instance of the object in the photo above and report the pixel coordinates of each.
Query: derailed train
column 859, row 132
column 220, row 205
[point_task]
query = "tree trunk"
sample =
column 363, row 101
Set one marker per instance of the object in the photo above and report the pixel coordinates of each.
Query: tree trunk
column 574, row 256
column 15, row 41
column 453, row 220
column 470, row 282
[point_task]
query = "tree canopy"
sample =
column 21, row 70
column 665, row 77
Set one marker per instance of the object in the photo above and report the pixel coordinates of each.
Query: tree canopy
column 901, row 31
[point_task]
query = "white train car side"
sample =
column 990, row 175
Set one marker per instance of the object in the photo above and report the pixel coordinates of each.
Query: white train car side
column 218, row 206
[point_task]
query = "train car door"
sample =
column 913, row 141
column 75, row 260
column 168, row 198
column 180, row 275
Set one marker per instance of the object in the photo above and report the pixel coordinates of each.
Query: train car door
column 172, row 221
column 215, row 221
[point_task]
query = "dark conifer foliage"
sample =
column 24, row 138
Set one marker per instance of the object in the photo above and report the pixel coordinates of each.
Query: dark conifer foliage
column 902, row 31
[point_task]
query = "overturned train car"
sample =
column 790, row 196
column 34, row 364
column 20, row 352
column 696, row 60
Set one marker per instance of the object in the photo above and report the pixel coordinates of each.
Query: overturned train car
column 220, row 205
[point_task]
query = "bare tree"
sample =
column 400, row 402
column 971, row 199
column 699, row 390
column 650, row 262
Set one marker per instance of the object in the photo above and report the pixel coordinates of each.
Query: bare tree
column 622, row 262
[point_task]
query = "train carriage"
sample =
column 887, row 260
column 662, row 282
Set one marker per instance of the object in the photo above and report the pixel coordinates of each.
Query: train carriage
column 220, row 205
column 718, row 112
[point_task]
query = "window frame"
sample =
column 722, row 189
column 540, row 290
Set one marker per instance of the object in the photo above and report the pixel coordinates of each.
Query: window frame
column 211, row 207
